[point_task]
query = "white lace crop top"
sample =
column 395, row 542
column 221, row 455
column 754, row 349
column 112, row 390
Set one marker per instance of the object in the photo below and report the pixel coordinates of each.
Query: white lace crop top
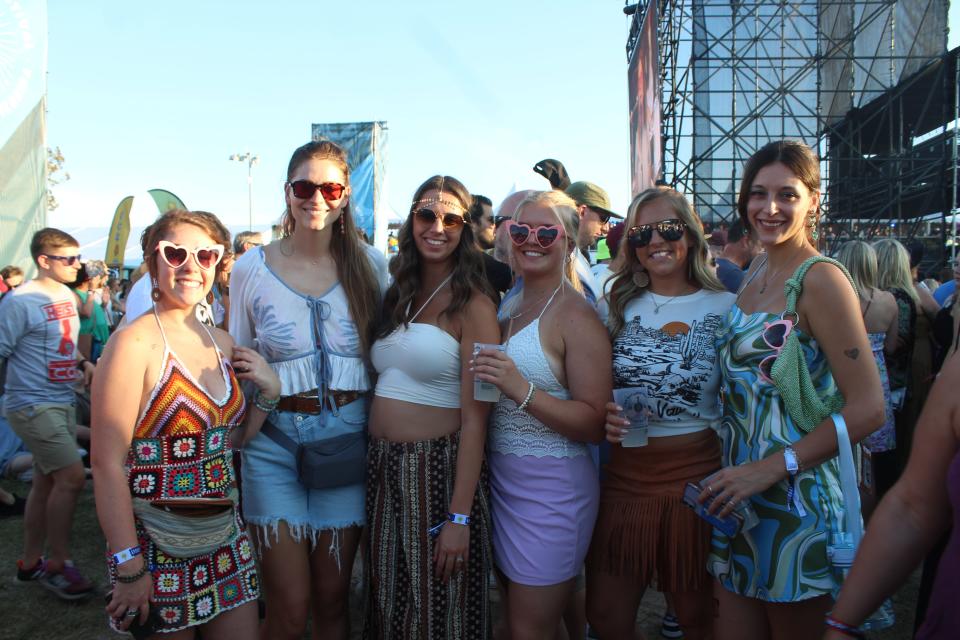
column 517, row 432
column 419, row 363
column 311, row 342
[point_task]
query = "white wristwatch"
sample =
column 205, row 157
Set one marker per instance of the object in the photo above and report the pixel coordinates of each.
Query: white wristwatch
column 790, row 457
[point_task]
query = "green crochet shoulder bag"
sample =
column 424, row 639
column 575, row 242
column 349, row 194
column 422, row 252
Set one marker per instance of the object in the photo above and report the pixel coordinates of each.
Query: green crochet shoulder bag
column 789, row 372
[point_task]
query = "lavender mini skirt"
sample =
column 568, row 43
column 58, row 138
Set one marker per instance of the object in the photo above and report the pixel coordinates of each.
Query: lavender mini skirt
column 543, row 511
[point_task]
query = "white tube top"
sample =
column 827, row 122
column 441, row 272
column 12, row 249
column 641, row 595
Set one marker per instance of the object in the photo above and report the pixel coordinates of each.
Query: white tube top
column 418, row 363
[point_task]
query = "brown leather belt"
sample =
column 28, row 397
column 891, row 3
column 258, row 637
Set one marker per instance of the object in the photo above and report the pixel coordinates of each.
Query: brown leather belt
column 302, row 403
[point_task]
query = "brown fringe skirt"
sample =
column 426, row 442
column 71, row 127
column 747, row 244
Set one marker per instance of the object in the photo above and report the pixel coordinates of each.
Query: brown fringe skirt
column 409, row 487
column 643, row 527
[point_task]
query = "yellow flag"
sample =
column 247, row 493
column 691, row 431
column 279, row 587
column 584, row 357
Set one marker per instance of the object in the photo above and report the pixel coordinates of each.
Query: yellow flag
column 119, row 232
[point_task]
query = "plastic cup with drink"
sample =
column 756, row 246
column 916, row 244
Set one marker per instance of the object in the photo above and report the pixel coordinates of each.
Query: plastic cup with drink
column 485, row 391
column 634, row 402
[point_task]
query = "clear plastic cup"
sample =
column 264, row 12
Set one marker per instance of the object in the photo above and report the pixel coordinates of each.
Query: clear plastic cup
column 485, row 391
column 634, row 402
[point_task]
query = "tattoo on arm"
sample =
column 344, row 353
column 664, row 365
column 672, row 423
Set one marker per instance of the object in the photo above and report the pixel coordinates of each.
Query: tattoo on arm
column 853, row 354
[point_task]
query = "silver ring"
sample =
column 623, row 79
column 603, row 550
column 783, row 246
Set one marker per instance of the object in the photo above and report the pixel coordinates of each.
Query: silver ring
column 709, row 489
column 132, row 613
column 732, row 501
column 459, row 560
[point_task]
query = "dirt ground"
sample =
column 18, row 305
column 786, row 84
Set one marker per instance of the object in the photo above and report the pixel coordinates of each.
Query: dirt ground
column 27, row 612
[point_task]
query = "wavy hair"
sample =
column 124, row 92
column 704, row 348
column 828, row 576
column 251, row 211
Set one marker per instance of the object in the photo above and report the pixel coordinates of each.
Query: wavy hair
column 469, row 274
column 624, row 288
column 893, row 268
column 354, row 269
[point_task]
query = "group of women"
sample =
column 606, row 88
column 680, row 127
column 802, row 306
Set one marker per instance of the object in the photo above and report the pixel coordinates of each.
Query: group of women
column 457, row 487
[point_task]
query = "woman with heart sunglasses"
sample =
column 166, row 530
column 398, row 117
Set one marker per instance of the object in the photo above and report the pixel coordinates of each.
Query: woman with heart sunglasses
column 427, row 489
column 776, row 575
column 553, row 373
column 165, row 403
column 665, row 307
column 308, row 303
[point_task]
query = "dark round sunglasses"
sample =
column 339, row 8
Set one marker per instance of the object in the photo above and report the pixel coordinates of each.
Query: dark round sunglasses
column 641, row 235
column 304, row 189
column 429, row 217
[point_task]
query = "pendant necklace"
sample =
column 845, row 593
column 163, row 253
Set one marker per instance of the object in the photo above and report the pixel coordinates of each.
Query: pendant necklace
column 766, row 278
column 657, row 307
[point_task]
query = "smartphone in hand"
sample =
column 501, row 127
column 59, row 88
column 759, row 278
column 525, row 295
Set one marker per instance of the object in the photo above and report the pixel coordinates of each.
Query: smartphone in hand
column 729, row 526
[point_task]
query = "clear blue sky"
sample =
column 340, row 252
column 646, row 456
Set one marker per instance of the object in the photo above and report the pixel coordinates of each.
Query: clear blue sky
column 159, row 94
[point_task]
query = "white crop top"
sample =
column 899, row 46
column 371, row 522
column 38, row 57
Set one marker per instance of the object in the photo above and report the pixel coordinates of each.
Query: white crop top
column 419, row 363
column 668, row 346
column 310, row 341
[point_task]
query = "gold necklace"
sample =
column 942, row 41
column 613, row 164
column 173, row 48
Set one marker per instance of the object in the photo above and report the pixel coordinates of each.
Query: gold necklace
column 767, row 277
column 293, row 250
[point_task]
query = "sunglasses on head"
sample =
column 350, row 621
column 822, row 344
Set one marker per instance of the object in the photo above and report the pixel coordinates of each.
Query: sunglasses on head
column 429, row 217
column 67, row 260
column 545, row 235
column 775, row 336
column 176, row 256
column 304, row 189
column 642, row 234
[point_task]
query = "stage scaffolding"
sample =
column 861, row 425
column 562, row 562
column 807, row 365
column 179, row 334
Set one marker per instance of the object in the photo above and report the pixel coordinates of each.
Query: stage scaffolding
column 737, row 74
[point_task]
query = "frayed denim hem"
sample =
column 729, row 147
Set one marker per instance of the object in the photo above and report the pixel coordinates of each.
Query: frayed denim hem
column 265, row 528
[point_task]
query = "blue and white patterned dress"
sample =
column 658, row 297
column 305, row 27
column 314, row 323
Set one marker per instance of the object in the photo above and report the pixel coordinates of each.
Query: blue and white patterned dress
column 784, row 557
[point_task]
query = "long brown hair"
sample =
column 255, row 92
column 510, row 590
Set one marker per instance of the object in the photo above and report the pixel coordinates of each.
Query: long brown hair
column 793, row 154
column 624, row 288
column 354, row 270
column 469, row 274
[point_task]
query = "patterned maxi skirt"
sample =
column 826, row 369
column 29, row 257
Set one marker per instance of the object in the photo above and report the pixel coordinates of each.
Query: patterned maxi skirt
column 409, row 487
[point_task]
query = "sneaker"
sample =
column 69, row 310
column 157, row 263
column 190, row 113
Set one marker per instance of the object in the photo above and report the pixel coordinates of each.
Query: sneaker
column 670, row 627
column 30, row 574
column 68, row 584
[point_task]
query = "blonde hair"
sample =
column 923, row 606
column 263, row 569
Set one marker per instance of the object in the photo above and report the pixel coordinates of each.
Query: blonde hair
column 565, row 209
column 893, row 268
column 861, row 261
column 624, row 288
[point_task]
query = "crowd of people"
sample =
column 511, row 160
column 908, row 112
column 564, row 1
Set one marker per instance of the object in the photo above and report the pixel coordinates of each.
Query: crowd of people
column 489, row 406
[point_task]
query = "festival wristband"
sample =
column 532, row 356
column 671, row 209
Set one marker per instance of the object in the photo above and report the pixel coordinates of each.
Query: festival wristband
column 125, row 555
column 458, row 518
column 843, row 628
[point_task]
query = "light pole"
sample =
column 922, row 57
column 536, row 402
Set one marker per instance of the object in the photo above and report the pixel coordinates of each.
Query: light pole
column 251, row 160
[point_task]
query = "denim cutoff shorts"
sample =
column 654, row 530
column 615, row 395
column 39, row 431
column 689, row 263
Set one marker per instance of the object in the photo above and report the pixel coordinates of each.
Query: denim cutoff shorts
column 271, row 491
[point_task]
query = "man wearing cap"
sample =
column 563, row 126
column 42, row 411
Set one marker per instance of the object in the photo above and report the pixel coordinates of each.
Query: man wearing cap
column 593, row 207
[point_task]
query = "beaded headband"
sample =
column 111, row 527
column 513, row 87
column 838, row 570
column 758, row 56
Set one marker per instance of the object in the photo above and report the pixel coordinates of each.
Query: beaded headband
column 439, row 199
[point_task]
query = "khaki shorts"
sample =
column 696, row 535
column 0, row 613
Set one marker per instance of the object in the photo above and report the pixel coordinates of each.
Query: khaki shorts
column 50, row 433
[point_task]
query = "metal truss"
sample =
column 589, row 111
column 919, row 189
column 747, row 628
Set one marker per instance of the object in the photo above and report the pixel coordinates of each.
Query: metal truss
column 736, row 74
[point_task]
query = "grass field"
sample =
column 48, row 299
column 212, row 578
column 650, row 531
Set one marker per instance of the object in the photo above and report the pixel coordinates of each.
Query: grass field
column 29, row 612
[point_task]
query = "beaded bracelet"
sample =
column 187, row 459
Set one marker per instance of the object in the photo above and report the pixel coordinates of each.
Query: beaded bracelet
column 843, row 627
column 264, row 404
column 526, row 401
column 134, row 577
